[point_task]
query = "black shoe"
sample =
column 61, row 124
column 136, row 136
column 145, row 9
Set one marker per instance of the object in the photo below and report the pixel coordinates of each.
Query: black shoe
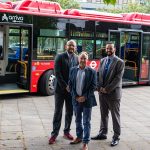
column 115, row 141
column 99, row 137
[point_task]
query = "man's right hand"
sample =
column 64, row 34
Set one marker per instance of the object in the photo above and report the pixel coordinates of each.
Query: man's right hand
column 80, row 99
column 67, row 88
column 102, row 90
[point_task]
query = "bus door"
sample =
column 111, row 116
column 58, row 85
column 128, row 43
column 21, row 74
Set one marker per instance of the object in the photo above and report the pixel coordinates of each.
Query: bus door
column 3, row 49
column 130, row 48
column 145, row 57
column 24, row 58
column 15, row 49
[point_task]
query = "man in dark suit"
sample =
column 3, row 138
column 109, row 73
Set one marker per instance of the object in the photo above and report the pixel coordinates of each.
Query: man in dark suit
column 82, row 83
column 1, row 52
column 63, row 63
column 110, row 91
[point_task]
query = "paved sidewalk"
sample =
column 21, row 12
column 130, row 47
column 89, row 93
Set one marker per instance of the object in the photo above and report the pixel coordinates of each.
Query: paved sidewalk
column 26, row 122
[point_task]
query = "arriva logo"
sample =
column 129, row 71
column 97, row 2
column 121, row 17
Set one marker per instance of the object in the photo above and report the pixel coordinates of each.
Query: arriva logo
column 4, row 17
column 15, row 19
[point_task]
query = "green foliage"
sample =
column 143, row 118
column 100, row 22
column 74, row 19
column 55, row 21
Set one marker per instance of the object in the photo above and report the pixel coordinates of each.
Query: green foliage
column 113, row 2
column 67, row 4
column 130, row 7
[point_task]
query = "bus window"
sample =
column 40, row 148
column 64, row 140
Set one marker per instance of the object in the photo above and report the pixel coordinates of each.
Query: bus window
column 15, row 46
column 81, row 28
column 144, row 74
column 85, row 45
column 49, row 37
column 101, row 39
column 130, row 50
column 82, row 31
column 100, row 48
column 48, row 47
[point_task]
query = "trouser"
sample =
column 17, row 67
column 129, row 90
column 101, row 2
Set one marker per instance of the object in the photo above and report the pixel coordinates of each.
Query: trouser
column 59, row 102
column 83, row 131
column 107, row 104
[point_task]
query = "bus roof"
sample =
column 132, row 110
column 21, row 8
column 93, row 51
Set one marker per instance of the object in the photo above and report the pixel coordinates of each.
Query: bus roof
column 5, row 6
column 91, row 13
column 46, row 8
column 39, row 6
column 137, row 17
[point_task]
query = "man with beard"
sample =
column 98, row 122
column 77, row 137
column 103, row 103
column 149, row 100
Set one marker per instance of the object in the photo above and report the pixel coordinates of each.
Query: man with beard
column 110, row 91
column 82, row 83
column 63, row 63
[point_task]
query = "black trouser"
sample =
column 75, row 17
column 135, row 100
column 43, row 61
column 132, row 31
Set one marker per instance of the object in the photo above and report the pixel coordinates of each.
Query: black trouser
column 59, row 102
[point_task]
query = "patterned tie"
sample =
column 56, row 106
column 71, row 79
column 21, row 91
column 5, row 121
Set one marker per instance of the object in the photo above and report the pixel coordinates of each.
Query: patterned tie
column 106, row 68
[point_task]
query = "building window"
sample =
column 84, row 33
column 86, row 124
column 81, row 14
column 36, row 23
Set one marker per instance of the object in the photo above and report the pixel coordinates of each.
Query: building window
column 89, row 1
column 118, row 2
column 125, row 1
column 141, row 1
column 99, row 1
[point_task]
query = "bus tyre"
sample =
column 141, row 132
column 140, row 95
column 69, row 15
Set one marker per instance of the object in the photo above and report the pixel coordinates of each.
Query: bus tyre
column 47, row 83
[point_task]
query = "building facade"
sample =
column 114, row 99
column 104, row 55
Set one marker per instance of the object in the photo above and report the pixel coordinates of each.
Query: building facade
column 95, row 4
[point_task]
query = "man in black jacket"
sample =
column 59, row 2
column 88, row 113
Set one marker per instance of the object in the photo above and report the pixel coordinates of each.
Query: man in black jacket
column 63, row 63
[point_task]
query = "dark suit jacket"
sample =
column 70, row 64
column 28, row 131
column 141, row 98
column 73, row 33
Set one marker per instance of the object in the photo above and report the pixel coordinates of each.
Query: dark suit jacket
column 113, row 80
column 61, row 68
column 88, row 88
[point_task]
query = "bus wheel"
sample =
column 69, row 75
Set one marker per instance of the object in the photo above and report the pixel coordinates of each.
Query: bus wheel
column 47, row 83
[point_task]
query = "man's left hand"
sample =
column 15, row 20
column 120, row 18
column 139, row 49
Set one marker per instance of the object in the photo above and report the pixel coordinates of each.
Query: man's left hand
column 81, row 99
column 103, row 90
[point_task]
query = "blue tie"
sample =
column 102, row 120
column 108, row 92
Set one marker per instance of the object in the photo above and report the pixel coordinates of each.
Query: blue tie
column 106, row 68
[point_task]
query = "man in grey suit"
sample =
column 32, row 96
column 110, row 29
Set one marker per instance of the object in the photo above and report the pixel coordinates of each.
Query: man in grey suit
column 110, row 91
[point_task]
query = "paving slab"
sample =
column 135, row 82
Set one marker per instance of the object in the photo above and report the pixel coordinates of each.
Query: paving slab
column 26, row 123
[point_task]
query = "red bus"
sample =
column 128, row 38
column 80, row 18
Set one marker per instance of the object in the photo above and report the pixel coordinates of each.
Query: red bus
column 32, row 33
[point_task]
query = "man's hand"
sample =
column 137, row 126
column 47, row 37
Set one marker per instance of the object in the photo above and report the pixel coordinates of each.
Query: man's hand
column 67, row 88
column 80, row 99
column 98, row 89
column 102, row 90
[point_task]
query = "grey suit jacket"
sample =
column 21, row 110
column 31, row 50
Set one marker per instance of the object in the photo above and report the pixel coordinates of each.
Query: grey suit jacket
column 113, row 80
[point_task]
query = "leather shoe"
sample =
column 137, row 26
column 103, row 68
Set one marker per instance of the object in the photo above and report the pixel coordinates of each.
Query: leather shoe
column 68, row 136
column 52, row 140
column 115, row 141
column 85, row 147
column 99, row 137
column 76, row 141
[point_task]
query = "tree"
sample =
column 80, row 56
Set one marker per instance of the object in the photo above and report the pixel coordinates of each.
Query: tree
column 67, row 4
column 130, row 7
column 113, row 2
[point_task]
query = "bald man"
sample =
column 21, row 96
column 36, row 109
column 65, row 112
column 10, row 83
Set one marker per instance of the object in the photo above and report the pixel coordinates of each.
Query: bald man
column 63, row 63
